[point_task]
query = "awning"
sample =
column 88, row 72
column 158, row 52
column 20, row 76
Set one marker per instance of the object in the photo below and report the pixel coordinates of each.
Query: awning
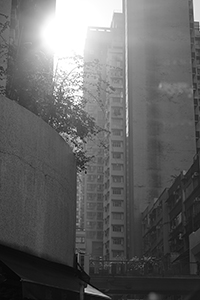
column 90, row 290
column 39, row 278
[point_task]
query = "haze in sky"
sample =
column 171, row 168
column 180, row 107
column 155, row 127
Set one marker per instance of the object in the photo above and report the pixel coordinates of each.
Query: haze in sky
column 74, row 17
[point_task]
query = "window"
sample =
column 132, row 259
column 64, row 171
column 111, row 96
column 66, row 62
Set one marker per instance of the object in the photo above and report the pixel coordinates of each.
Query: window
column 91, row 196
column 117, row 155
column 91, row 214
column 99, row 216
column 116, row 73
column 118, row 241
column 91, row 178
column 99, row 178
column 117, row 179
column 117, row 132
column 91, row 205
column 91, row 187
column 116, row 122
column 118, row 216
column 99, row 206
column 99, row 235
column 116, row 100
column 90, row 234
column 117, row 143
column 99, row 197
column 117, row 167
column 91, row 169
column 99, row 187
column 118, row 91
column 99, row 225
column 80, row 240
column 90, row 224
column 99, row 169
column 118, row 228
column 117, row 80
column 117, row 203
column 116, row 111
column 117, row 191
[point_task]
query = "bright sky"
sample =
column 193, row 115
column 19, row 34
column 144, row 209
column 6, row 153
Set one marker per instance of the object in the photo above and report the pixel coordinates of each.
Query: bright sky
column 196, row 10
column 74, row 16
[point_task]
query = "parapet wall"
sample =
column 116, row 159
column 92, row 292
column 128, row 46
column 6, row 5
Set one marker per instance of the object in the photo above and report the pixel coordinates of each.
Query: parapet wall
column 37, row 186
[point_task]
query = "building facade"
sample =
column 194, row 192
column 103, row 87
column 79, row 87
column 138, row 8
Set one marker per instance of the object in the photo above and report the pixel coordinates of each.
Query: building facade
column 96, row 48
column 105, row 183
column 115, row 154
column 195, row 56
column 159, row 98
column 171, row 227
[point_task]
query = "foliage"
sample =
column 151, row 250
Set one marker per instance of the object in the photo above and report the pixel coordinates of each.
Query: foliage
column 58, row 97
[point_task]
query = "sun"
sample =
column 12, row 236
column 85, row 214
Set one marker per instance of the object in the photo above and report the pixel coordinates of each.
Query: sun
column 66, row 32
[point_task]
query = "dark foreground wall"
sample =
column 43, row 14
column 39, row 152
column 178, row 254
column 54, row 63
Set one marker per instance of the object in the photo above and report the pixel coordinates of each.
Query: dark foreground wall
column 37, row 186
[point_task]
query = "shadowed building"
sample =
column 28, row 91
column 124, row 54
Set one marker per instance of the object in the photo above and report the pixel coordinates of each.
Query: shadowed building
column 159, row 97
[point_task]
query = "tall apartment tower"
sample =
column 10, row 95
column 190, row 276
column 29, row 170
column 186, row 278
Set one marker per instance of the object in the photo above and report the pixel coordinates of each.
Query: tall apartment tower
column 105, row 184
column 195, row 49
column 115, row 154
column 96, row 48
column 159, row 99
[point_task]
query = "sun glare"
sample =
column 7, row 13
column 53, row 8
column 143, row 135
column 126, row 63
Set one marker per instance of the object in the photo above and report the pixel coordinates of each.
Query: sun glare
column 66, row 32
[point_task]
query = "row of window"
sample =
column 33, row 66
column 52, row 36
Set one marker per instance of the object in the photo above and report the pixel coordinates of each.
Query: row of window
column 100, row 187
column 93, row 169
column 94, row 234
column 118, row 216
column 93, row 205
column 117, row 132
column 94, row 197
column 95, row 187
column 117, row 155
column 92, row 178
column 117, row 144
column 93, row 224
column 93, row 215
column 80, row 240
column 115, row 191
column 118, row 241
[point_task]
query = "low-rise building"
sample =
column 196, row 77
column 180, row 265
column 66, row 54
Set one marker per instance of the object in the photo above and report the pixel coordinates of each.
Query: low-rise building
column 171, row 224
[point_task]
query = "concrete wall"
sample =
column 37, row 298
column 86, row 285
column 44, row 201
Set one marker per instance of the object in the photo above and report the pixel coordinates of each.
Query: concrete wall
column 37, row 186
column 161, row 112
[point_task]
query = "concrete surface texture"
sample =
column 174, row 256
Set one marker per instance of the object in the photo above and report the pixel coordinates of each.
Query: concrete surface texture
column 37, row 186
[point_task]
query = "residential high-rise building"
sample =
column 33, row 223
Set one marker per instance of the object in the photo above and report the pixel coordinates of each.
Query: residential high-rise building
column 195, row 50
column 151, row 56
column 96, row 48
column 115, row 154
column 105, row 182
column 159, row 98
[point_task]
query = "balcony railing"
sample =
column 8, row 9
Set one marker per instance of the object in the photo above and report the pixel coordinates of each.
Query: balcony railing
column 140, row 267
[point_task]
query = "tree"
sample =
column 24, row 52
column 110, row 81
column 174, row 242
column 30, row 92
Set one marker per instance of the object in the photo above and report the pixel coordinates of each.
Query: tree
column 58, row 97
